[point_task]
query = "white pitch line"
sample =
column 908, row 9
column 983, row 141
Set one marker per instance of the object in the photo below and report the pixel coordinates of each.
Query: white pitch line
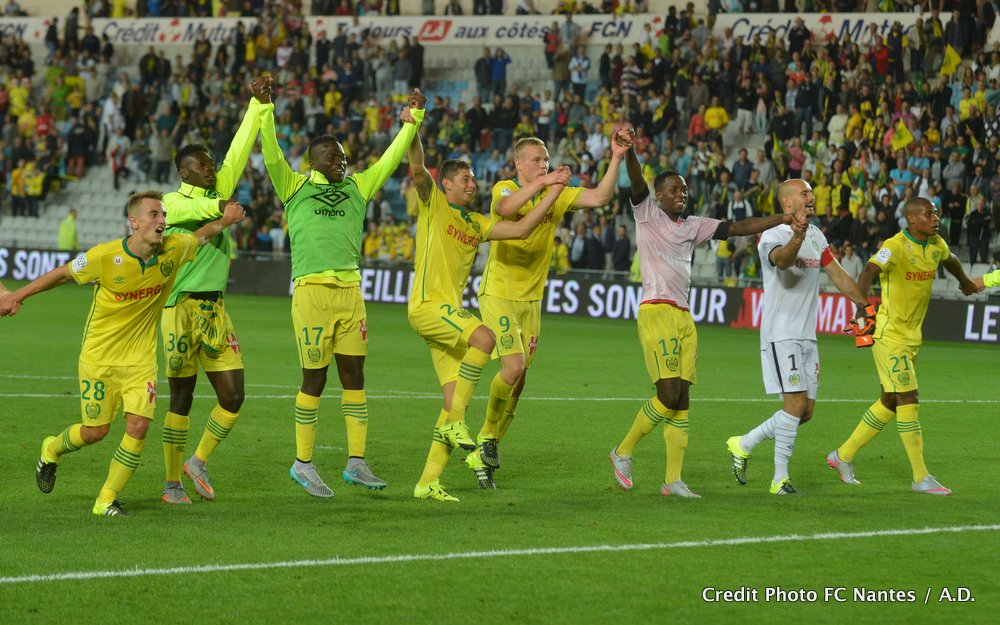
column 469, row 555
column 416, row 395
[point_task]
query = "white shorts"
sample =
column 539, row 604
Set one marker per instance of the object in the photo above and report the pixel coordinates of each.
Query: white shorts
column 791, row 366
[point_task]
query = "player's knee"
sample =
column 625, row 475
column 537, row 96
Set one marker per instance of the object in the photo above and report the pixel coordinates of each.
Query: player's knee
column 352, row 378
column 512, row 368
column 136, row 426
column 231, row 400
column 180, row 404
column 805, row 417
column 670, row 399
column 313, row 381
column 483, row 339
column 92, row 434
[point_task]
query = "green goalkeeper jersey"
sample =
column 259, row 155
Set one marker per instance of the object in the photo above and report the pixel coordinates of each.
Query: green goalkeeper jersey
column 325, row 218
column 190, row 207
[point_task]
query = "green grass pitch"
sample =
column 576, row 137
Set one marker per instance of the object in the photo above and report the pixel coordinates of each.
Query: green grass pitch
column 573, row 548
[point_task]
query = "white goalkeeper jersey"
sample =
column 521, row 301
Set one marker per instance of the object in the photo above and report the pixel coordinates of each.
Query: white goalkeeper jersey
column 791, row 295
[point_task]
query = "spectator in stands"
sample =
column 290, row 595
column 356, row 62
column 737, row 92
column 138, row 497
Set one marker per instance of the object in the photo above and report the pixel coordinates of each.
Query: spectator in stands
column 498, row 72
column 560, row 72
column 68, row 241
column 484, row 75
column 560, row 257
column 850, row 261
column 579, row 67
column 34, row 180
column 954, row 201
column 13, row 9
column 570, row 32
column 978, row 227
column 621, row 253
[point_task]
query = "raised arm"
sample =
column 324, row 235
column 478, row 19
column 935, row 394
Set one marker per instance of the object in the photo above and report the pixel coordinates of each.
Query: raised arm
column 372, row 179
column 240, row 147
column 520, row 229
column 605, row 190
column 639, row 187
column 756, row 225
column 511, row 204
column 285, row 181
column 954, row 267
column 10, row 301
column 233, row 214
column 421, row 177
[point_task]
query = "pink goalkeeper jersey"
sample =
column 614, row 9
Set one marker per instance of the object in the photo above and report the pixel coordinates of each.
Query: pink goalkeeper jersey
column 665, row 250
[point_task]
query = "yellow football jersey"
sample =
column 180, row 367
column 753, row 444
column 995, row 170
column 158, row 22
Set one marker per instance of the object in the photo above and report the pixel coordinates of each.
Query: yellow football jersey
column 516, row 269
column 129, row 296
column 447, row 239
column 908, row 270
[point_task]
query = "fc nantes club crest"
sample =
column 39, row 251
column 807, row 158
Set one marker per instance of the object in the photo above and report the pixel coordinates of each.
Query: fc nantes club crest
column 93, row 411
column 167, row 268
column 507, row 341
column 904, row 378
column 175, row 363
column 313, row 353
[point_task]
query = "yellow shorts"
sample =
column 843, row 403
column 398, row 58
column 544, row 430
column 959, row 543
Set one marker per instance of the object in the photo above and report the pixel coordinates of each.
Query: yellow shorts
column 328, row 319
column 897, row 366
column 104, row 390
column 669, row 342
column 447, row 329
column 199, row 331
column 516, row 325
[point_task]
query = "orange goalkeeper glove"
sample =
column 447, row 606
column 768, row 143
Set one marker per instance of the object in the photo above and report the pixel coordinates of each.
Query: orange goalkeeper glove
column 863, row 328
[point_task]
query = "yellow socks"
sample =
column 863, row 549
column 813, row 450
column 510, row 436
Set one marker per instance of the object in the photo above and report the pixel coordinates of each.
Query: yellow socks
column 175, row 432
column 216, row 430
column 123, row 465
column 437, row 458
column 675, row 434
column 909, row 431
column 500, row 393
column 871, row 424
column 649, row 416
column 469, row 371
column 306, row 408
column 508, row 415
column 354, row 405
column 67, row 442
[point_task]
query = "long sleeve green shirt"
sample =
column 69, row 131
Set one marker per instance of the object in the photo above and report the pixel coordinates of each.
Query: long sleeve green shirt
column 190, row 207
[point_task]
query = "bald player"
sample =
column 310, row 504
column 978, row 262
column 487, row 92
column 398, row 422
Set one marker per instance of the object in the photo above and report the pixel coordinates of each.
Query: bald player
column 792, row 256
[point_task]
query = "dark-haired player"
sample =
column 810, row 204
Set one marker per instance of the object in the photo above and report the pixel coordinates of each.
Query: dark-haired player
column 325, row 211
column 666, row 240
column 195, row 326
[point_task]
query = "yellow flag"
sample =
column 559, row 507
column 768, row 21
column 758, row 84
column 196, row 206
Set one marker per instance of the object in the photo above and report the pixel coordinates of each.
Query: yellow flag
column 951, row 61
column 902, row 137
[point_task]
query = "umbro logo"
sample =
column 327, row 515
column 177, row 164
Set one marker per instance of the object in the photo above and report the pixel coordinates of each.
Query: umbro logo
column 330, row 199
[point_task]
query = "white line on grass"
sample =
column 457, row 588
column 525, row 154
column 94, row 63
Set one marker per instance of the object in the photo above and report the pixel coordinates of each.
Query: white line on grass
column 469, row 555
column 398, row 394
column 417, row 395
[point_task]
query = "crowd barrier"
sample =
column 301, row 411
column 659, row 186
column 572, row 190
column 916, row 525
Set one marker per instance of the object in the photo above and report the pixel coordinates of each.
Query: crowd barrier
column 974, row 321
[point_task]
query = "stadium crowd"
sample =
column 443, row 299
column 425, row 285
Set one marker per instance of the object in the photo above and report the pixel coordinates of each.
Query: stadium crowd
column 869, row 123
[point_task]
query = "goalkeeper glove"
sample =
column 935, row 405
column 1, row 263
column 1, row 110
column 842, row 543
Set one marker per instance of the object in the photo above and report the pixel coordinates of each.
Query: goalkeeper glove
column 863, row 328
